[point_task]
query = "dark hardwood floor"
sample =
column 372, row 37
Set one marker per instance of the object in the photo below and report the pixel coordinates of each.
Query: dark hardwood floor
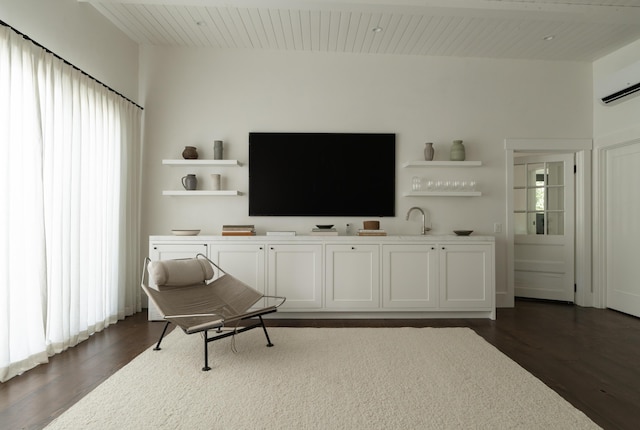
column 591, row 357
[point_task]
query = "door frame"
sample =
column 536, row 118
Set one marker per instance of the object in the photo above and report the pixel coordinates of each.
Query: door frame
column 582, row 149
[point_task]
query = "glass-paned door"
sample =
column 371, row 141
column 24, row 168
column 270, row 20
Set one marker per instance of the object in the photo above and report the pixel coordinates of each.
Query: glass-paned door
column 544, row 226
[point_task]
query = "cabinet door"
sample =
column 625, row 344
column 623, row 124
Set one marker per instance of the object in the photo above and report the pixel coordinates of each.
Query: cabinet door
column 410, row 276
column 295, row 272
column 245, row 261
column 352, row 276
column 171, row 252
column 466, row 276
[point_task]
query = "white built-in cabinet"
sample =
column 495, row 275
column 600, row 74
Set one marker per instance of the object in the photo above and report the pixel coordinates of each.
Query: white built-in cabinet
column 352, row 276
column 295, row 272
column 245, row 261
column 410, row 276
column 466, row 276
column 275, row 269
column 392, row 277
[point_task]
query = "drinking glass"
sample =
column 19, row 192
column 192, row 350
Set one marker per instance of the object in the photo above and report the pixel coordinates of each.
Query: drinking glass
column 431, row 185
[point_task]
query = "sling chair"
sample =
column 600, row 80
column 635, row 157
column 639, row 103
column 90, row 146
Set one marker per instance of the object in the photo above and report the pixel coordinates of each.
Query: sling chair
column 186, row 294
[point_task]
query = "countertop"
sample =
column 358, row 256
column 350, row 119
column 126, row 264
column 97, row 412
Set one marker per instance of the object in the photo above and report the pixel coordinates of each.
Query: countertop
column 429, row 238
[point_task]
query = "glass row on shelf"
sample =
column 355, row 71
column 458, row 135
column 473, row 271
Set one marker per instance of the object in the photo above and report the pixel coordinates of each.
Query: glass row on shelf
column 423, row 184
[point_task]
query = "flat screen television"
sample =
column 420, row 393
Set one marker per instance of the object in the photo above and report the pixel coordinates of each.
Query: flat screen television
column 322, row 174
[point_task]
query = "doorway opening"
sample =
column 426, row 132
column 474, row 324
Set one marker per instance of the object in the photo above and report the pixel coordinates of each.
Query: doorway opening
column 580, row 223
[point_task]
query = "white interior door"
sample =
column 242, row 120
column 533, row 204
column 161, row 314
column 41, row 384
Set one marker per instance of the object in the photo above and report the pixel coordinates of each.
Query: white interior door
column 622, row 202
column 544, row 227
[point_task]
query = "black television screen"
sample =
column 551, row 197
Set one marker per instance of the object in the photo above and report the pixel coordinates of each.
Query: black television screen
column 322, row 174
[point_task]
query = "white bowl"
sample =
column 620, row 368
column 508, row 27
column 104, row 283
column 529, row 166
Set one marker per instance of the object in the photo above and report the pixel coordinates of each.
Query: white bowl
column 185, row 232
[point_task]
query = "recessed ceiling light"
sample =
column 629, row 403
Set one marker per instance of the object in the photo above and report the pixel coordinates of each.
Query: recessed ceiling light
column 376, row 29
column 549, row 37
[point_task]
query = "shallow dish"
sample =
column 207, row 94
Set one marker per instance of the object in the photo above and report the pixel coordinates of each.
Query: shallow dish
column 463, row 232
column 185, row 232
column 325, row 226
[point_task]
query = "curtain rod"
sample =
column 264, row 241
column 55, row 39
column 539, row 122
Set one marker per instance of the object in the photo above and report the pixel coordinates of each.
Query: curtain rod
column 70, row 64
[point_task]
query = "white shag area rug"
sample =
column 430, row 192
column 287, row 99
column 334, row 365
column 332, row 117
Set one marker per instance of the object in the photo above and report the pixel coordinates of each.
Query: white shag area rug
column 325, row 378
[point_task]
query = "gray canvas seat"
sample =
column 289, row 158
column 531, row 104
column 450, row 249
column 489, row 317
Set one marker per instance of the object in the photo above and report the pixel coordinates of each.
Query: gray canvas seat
column 186, row 294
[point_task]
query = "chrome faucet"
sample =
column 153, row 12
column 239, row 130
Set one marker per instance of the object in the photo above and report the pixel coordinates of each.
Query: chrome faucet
column 425, row 229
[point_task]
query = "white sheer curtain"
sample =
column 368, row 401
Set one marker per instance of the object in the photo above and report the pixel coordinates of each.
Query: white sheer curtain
column 22, row 246
column 69, row 236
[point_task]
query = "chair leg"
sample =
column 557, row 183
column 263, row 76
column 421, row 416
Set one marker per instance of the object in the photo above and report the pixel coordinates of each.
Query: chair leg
column 206, row 352
column 264, row 328
column 157, row 348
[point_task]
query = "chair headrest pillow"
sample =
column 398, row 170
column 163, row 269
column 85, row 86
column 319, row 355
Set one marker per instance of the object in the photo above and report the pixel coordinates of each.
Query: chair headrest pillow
column 180, row 273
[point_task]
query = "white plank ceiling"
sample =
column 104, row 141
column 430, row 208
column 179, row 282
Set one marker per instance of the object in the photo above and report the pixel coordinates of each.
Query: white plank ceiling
column 575, row 30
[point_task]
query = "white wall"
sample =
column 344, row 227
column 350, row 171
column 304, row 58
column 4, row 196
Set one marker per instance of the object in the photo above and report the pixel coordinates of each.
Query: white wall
column 613, row 125
column 81, row 35
column 195, row 96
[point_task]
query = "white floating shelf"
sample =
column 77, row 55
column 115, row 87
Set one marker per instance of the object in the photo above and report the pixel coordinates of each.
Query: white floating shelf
column 200, row 162
column 443, row 194
column 442, row 164
column 201, row 193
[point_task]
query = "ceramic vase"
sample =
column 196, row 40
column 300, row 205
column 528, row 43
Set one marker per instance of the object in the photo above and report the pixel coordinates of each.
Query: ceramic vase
column 428, row 151
column 215, row 177
column 190, row 182
column 457, row 151
column 217, row 150
column 190, row 153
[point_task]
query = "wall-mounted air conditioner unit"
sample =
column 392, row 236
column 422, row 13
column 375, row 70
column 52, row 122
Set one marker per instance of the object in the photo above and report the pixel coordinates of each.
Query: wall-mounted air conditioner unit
column 619, row 84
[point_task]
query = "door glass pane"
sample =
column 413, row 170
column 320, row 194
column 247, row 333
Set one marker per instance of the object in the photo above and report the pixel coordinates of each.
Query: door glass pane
column 535, row 174
column 555, row 199
column 555, row 172
column 556, row 223
column 519, row 175
column 535, row 223
column 535, row 199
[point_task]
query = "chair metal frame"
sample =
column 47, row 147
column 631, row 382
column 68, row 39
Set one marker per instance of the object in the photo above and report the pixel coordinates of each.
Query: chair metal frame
column 217, row 321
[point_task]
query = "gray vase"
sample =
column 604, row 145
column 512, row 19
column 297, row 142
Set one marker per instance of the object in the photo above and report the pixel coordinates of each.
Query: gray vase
column 217, row 150
column 428, row 151
column 190, row 182
column 457, row 151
